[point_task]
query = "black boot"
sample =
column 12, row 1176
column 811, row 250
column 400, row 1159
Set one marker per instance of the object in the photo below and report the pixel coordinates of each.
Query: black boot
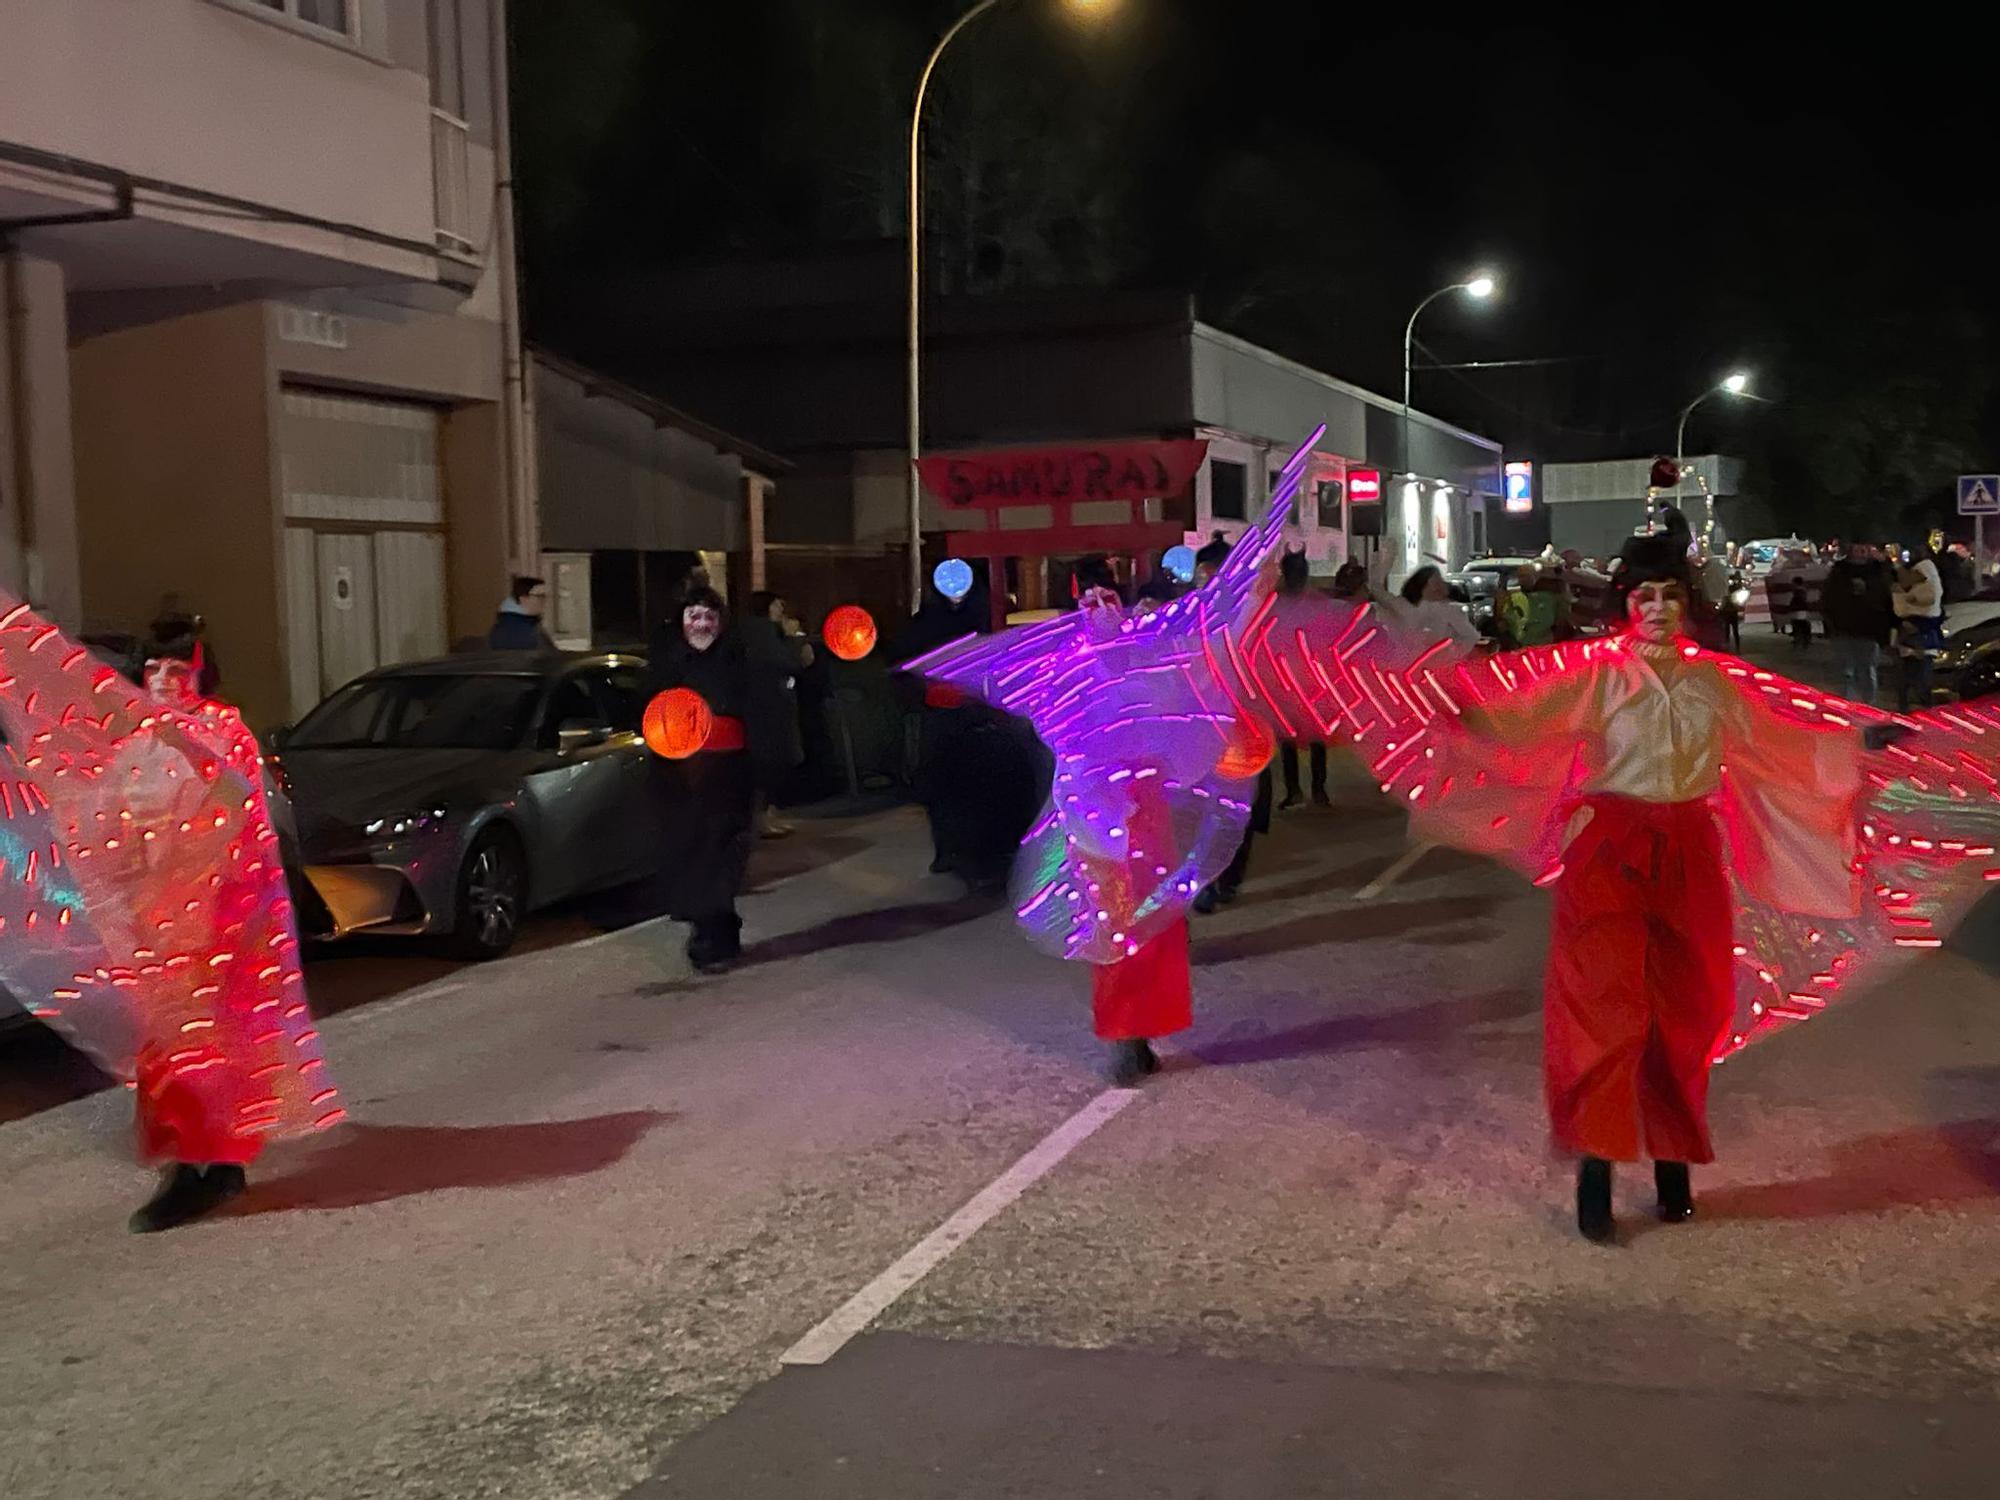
column 1676, row 1191
column 1205, row 902
column 1593, row 1200
column 1131, row 1061
column 186, row 1193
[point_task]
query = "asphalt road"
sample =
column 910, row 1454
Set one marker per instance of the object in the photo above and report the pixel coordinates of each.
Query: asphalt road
column 590, row 1203
column 38, row 1072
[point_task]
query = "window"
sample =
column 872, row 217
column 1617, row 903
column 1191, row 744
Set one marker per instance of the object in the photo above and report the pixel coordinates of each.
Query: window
column 621, row 697
column 447, row 57
column 422, row 711
column 334, row 15
column 572, row 702
column 1330, row 492
column 1228, row 490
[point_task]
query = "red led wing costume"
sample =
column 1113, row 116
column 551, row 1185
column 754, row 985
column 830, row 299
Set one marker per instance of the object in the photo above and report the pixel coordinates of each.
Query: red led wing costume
column 1838, row 859
column 143, row 906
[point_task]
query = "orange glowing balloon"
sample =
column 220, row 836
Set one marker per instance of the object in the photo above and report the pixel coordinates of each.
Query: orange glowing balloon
column 849, row 632
column 677, row 723
column 1249, row 750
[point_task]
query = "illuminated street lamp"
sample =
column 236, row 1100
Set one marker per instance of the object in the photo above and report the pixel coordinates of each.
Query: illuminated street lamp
column 1082, row 9
column 1479, row 287
column 1736, row 384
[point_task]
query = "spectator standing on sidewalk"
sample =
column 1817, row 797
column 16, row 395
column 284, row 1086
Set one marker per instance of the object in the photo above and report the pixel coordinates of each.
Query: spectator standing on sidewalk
column 1300, row 606
column 1860, row 613
column 775, row 647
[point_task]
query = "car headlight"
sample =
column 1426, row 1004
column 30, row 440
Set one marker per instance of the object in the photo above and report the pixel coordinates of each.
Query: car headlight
column 406, row 823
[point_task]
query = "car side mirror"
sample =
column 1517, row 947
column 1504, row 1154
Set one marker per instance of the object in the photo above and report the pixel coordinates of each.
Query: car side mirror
column 580, row 734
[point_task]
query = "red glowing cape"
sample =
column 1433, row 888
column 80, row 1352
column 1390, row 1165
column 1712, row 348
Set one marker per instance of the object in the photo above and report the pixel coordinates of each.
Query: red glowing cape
column 143, row 905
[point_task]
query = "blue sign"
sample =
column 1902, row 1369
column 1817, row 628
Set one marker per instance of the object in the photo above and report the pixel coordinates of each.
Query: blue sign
column 1979, row 494
column 1520, row 482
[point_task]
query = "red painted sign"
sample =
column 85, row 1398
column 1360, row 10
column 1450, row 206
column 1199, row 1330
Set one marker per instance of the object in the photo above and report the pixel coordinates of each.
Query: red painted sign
column 993, row 477
column 1364, row 486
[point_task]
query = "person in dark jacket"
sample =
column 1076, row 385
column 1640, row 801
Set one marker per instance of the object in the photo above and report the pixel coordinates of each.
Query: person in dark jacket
column 778, row 652
column 980, row 773
column 709, row 799
column 517, row 626
column 1859, row 607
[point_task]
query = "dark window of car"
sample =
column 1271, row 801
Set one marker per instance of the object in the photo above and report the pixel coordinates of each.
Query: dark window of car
column 572, row 702
column 1228, row 490
column 1329, row 503
column 422, row 712
column 621, row 696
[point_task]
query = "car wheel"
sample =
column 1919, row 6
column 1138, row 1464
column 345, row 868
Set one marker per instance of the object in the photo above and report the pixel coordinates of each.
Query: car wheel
column 1981, row 682
column 492, row 896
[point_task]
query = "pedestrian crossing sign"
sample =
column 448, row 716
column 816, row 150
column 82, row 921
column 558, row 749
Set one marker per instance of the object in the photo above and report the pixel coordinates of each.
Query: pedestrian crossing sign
column 1979, row 494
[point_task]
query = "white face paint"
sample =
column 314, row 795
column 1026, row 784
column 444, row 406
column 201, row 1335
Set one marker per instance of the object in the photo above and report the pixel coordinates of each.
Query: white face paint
column 701, row 625
column 172, row 682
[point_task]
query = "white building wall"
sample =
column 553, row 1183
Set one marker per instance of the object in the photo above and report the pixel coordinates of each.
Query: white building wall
column 206, row 94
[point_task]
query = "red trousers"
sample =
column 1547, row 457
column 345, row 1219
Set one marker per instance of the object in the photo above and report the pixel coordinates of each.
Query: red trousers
column 1640, row 985
column 191, row 1107
column 1147, row 995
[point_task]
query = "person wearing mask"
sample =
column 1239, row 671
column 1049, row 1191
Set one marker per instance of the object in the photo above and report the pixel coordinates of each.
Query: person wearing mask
column 178, row 635
column 518, row 624
column 1300, row 606
column 709, row 799
column 776, row 649
column 1857, row 603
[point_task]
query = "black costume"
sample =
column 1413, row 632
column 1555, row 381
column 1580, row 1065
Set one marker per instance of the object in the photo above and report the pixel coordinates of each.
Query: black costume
column 980, row 774
column 709, row 799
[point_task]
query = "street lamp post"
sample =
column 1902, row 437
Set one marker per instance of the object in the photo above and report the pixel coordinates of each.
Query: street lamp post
column 1084, row 8
column 915, row 413
column 1481, row 286
column 1737, row 383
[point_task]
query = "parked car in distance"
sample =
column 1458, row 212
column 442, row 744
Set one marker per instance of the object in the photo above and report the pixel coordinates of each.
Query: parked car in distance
column 452, row 797
column 1969, row 664
column 1482, row 581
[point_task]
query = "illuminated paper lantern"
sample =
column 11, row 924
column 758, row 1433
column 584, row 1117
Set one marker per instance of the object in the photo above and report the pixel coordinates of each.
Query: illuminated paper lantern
column 677, row 723
column 850, row 632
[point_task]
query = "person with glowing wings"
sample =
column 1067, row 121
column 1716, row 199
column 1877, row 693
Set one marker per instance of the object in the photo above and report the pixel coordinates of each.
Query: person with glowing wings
column 144, row 912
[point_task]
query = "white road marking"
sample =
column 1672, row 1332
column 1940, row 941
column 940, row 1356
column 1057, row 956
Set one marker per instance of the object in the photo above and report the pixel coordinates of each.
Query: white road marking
column 868, row 1304
column 1395, row 872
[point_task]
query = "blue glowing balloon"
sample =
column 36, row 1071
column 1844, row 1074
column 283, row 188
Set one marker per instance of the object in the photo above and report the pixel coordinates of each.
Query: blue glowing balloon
column 1179, row 562
column 953, row 578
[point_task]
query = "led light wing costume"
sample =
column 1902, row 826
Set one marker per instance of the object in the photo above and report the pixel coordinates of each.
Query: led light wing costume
column 143, row 907
column 1835, row 859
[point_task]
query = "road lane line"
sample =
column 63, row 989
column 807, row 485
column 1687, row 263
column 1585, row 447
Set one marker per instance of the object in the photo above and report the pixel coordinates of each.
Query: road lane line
column 1395, row 872
column 868, row 1304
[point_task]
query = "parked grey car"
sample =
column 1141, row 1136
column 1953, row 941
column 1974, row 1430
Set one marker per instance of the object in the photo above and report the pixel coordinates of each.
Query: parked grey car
column 452, row 797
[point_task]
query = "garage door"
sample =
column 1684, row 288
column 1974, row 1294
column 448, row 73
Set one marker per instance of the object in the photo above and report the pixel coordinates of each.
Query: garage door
column 364, row 540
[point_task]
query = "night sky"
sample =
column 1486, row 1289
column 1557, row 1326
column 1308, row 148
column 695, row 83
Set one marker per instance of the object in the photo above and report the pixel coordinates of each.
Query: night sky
column 1820, row 212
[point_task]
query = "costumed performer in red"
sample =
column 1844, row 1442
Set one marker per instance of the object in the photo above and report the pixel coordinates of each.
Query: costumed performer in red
column 144, row 913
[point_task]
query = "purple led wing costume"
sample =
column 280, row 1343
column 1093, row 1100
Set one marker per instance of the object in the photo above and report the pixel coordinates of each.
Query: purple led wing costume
column 1142, row 712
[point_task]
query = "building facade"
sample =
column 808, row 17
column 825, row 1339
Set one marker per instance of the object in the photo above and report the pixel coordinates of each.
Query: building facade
column 260, row 348
column 807, row 360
